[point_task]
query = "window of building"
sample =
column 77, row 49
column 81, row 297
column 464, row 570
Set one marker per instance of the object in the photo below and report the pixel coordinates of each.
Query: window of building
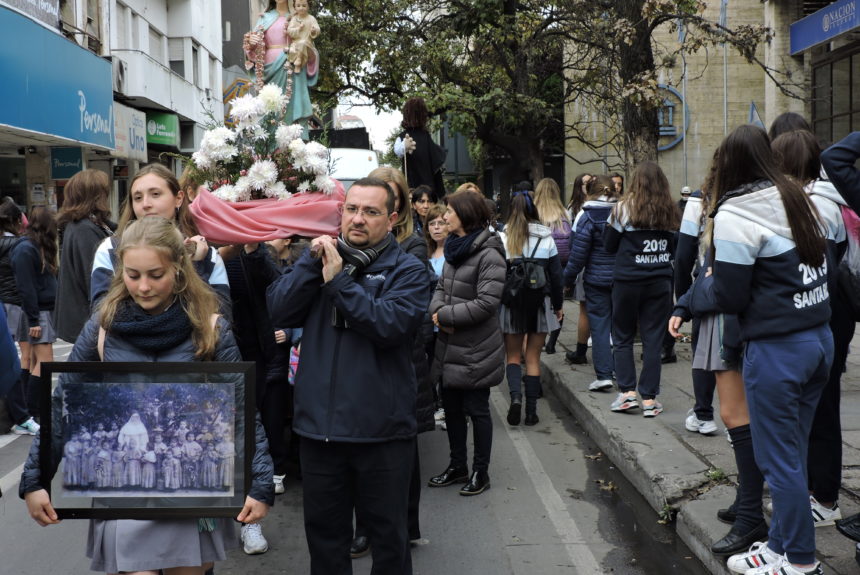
column 195, row 62
column 121, row 15
column 836, row 94
column 176, row 55
column 93, row 25
column 156, row 49
column 213, row 75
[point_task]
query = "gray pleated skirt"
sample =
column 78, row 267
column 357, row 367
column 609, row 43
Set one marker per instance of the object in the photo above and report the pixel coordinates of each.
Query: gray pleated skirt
column 579, row 287
column 546, row 321
column 131, row 545
column 710, row 353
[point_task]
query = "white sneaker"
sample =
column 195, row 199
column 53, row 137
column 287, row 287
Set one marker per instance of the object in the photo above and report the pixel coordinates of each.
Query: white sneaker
column 252, row 539
column 758, row 556
column 600, row 385
column 821, row 515
column 278, row 480
column 29, row 427
column 439, row 415
column 695, row 424
column 784, row 568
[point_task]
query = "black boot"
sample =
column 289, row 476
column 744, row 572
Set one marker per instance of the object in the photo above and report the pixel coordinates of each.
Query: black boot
column 749, row 525
column 579, row 356
column 478, row 483
column 532, row 385
column 549, row 348
column 514, row 375
column 515, row 410
column 450, row 476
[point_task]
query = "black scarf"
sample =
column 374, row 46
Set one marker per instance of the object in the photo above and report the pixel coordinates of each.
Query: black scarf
column 358, row 258
column 151, row 333
column 458, row 248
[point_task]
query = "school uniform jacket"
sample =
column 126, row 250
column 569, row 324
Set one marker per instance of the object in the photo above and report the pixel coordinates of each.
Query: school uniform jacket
column 641, row 256
column 541, row 242
column 36, row 287
column 687, row 258
column 586, row 246
column 757, row 273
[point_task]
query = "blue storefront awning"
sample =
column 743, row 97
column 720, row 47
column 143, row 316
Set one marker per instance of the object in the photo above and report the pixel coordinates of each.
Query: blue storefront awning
column 53, row 86
column 824, row 25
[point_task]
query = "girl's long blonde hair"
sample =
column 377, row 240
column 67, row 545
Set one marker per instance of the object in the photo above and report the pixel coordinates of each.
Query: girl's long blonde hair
column 551, row 211
column 523, row 213
column 192, row 293
column 403, row 227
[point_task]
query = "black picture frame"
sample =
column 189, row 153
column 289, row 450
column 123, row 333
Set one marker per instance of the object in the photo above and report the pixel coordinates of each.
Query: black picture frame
column 216, row 402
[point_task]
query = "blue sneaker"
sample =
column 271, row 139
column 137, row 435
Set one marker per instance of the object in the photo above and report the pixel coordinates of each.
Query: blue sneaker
column 29, row 427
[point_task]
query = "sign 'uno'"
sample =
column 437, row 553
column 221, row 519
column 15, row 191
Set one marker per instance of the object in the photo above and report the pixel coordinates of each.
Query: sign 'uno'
column 94, row 122
column 136, row 137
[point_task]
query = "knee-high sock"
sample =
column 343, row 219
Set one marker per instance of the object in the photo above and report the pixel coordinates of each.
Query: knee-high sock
column 750, row 480
column 514, row 374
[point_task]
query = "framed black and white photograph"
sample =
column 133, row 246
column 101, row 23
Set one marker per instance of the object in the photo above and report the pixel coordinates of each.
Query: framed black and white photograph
column 147, row 440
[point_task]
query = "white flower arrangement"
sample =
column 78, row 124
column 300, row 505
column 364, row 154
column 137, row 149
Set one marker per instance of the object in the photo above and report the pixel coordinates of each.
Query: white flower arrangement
column 262, row 157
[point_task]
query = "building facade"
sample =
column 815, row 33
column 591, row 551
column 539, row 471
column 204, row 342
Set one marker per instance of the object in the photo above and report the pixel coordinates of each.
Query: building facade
column 104, row 84
column 814, row 52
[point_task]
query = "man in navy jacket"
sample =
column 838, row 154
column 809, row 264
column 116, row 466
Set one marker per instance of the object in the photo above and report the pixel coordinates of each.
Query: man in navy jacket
column 360, row 299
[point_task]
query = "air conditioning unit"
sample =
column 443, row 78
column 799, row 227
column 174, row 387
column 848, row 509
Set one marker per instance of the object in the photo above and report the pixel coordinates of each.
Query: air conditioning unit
column 119, row 75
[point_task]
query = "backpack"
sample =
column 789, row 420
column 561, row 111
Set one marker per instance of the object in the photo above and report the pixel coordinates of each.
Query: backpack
column 848, row 276
column 524, row 274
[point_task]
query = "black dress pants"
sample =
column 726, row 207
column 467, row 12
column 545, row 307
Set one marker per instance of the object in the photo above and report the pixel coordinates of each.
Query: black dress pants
column 475, row 402
column 373, row 479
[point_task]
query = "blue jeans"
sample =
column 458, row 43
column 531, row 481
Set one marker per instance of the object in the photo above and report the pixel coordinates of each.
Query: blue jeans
column 783, row 377
column 598, row 307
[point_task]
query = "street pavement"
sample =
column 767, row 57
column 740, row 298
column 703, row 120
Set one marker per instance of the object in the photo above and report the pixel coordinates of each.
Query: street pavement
column 556, row 506
column 553, row 508
column 674, row 468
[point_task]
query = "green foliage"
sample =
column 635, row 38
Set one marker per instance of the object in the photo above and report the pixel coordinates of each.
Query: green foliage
column 503, row 72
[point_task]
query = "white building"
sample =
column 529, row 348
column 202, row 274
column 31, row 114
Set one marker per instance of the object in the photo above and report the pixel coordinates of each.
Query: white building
column 103, row 84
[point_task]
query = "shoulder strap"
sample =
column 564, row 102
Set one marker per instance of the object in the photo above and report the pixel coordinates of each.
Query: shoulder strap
column 534, row 251
column 101, row 343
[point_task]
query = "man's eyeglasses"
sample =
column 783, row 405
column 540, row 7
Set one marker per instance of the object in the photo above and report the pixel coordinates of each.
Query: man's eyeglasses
column 352, row 211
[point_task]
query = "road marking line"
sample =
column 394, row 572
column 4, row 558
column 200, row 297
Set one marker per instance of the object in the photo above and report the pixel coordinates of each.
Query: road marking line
column 577, row 548
column 9, row 481
column 7, row 439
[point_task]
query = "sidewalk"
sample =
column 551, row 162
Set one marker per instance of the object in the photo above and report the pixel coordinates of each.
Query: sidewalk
column 669, row 465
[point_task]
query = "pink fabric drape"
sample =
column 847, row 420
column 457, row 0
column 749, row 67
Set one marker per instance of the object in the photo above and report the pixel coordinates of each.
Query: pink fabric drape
column 307, row 214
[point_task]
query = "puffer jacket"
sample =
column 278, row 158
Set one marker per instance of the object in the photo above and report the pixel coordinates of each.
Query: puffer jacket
column 467, row 299
column 117, row 349
column 587, row 250
column 425, row 406
column 8, row 287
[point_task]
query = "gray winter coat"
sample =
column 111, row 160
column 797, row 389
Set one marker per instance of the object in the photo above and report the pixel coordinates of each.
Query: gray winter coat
column 467, row 299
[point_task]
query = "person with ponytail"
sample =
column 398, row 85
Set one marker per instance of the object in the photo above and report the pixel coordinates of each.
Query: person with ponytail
column 11, row 226
column 769, row 268
column 533, row 312
column 799, row 156
column 589, row 255
column 34, row 262
column 553, row 214
column 717, row 350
